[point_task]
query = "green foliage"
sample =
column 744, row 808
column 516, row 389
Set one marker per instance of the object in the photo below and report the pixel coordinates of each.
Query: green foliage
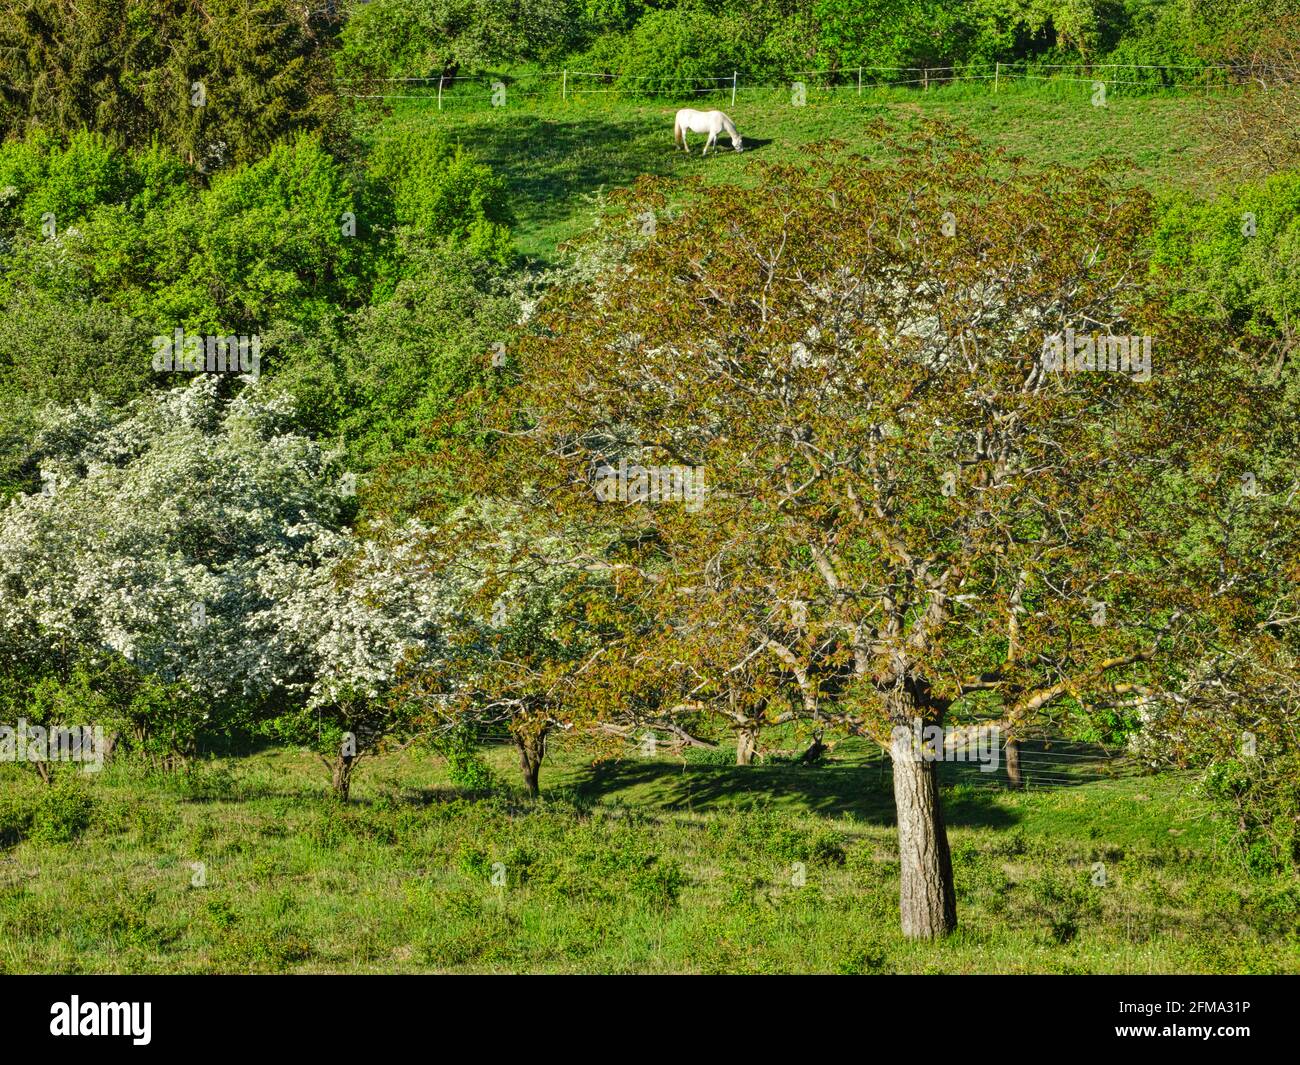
column 466, row 768
column 710, row 756
column 1257, row 801
column 66, row 183
column 388, row 381
column 154, row 718
column 427, row 185
column 265, row 242
column 377, row 329
column 129, row 69
column 62, row 812
column 1238, row 257
column 670, row 52
column 777, row 836
column 422, row 38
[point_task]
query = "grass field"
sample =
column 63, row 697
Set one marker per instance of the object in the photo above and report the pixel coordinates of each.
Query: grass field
column 554, row 157
column 632, row 866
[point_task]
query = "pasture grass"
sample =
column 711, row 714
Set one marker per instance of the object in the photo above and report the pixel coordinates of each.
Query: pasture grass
column 556, row 156
column 637, row 865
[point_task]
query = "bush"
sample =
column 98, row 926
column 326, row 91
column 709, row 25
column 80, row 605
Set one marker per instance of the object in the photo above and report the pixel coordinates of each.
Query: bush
column 1224, row 268
column 426, row 184
column 1257, row 806
column 266, row 241
column 62, row 812
column 465, row 767
column 382, row 378
column 672, row 53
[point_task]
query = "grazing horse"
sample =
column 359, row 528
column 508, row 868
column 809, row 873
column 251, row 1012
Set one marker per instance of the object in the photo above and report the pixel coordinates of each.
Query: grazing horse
column 710, row 122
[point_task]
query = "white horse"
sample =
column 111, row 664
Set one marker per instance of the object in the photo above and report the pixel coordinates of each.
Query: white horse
column 710, row 122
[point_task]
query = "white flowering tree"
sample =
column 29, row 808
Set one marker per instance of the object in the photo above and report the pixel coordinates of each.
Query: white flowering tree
column 200, row 540
column 355, row 617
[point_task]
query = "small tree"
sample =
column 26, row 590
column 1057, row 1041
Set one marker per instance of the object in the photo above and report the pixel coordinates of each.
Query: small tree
column 525, row 618
column 193, row 546
column 353, row 620
column 145, row 542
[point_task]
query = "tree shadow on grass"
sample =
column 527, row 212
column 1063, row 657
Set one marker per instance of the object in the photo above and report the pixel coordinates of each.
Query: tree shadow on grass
column 830, row 791
column 550, row 164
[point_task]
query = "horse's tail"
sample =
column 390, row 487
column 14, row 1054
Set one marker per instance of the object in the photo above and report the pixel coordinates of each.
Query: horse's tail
column 677, row 130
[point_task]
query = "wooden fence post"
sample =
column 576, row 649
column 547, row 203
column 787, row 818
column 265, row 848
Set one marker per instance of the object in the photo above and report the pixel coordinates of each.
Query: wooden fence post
column 733, row 89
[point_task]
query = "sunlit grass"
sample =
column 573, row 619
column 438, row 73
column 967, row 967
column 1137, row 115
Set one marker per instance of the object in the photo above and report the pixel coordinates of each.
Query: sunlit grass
column 555, row 155
column 639, row 866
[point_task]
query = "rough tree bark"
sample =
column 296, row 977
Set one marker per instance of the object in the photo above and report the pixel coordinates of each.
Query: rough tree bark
column 746, row 746
column 532, row 747
column 927, row 896
column 1012, row 753
column 342, row 776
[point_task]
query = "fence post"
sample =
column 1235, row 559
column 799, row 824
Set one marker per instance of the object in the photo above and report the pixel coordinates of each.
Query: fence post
column 440, row 77
column 859, row 81
column 564, row 87
column 925, row 78
column 733, row 90
column 997, row 76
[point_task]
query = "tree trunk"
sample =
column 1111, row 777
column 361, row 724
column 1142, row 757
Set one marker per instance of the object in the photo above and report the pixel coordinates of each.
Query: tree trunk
column 1013, row 763
column 746, row 746
column 815, row 750
column 927, row 898
column 531, row 749
column 342, row 782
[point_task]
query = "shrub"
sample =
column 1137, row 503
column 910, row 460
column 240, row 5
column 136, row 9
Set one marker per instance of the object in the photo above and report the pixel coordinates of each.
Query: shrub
column 426, row 184
column 672, row 53
column 62, row 812
column 465, row 767
column 1224, row 267
column 1257, row 805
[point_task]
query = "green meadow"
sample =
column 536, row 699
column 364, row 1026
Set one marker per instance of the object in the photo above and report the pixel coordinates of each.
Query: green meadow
column 555, row 155
column 663, row 864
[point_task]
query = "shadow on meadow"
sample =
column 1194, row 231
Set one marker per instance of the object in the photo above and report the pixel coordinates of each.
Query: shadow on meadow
column 831, row 791
column 552, row 164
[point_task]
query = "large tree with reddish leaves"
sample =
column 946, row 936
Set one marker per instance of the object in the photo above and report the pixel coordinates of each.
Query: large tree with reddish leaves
column 912, row 505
